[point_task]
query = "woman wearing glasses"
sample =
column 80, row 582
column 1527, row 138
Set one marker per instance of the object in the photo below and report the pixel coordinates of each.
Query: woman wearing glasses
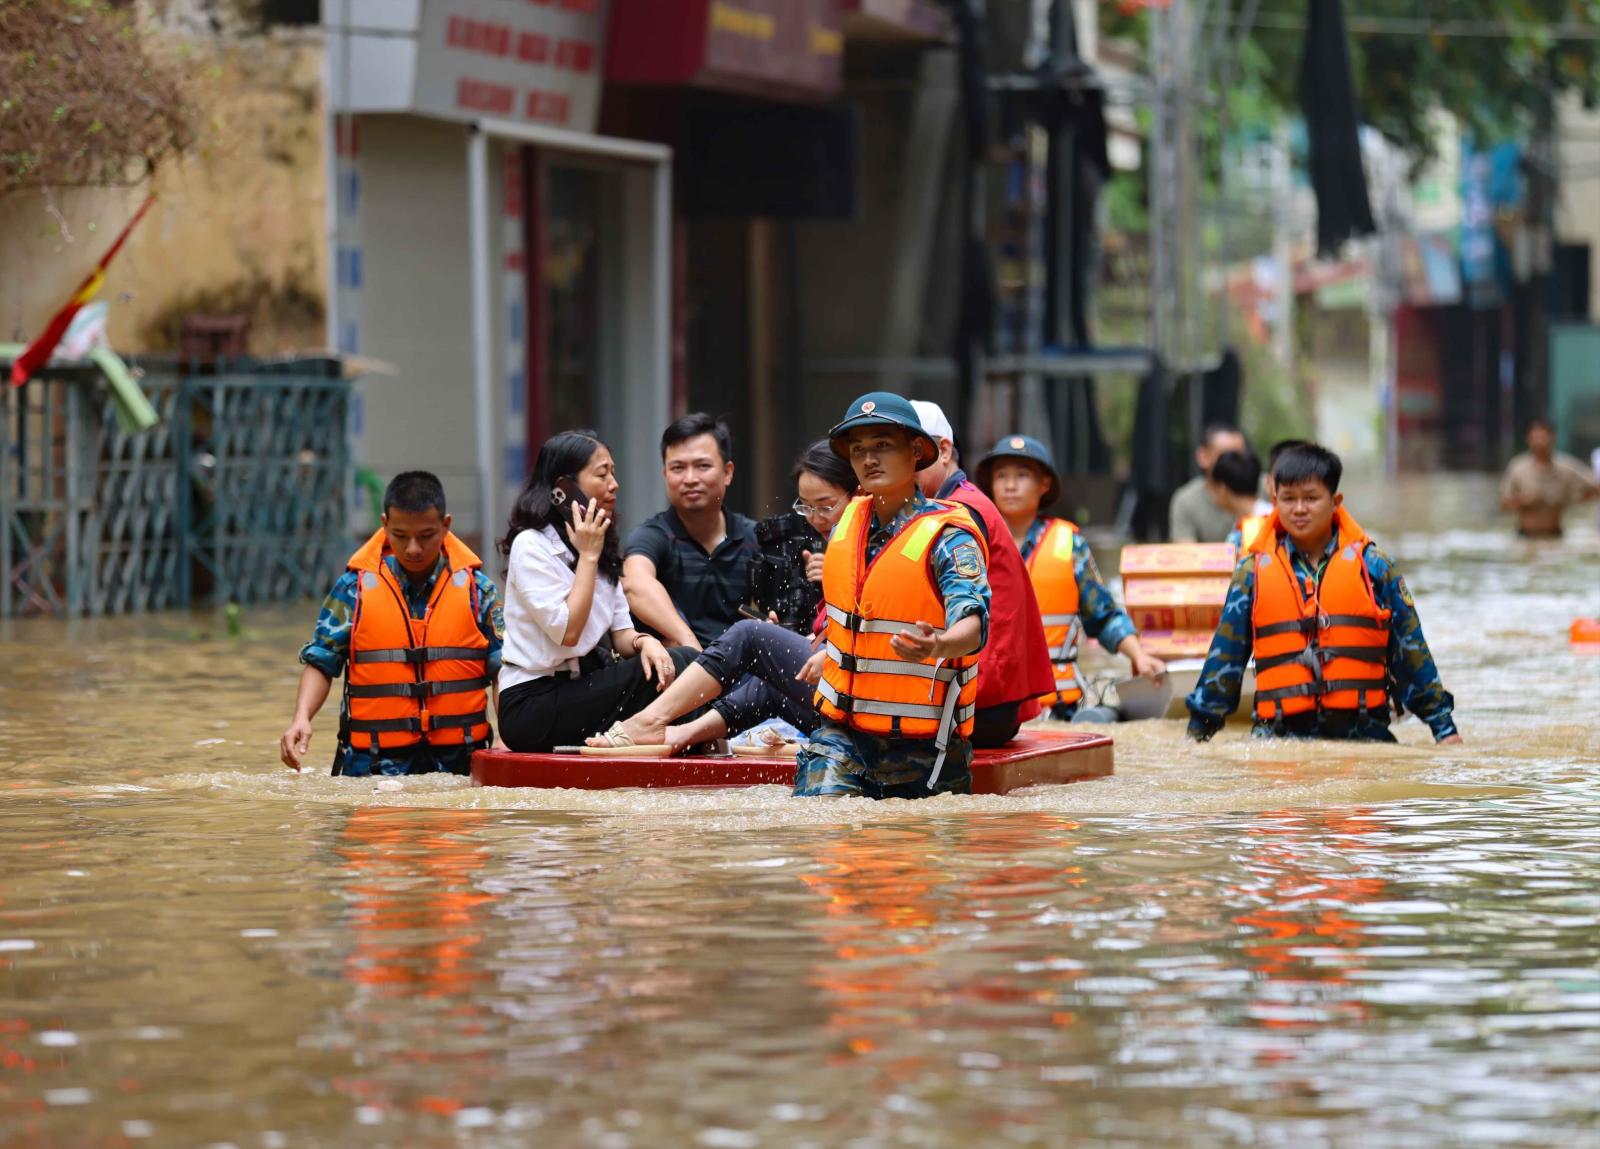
column 752, row 673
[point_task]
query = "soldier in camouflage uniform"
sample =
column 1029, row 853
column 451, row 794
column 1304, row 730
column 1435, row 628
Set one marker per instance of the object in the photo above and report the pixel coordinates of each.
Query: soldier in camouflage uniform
column 1306, row 481
column 885, row 442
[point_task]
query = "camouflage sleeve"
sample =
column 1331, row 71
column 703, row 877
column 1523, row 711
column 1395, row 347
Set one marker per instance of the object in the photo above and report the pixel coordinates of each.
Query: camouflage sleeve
column 1216, row 695
column 329, row 647
column 963, row 578
column 1416, row 678
column 491, row 618
column 1102, row 618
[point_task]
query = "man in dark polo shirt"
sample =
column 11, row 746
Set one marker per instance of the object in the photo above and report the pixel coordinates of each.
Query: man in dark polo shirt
column 685, row 570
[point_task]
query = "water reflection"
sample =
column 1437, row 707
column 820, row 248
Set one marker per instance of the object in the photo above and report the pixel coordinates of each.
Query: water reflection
column 416, row 918
column 1240, row 943
column 1311, row 943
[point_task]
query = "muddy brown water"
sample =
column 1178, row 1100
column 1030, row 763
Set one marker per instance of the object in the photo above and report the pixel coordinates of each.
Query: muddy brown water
column 1236, row 944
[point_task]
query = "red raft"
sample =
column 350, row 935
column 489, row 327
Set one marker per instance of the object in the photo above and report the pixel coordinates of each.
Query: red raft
column 1033, row 758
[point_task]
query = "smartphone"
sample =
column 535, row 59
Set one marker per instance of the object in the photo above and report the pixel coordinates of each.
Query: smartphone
column 570, row 494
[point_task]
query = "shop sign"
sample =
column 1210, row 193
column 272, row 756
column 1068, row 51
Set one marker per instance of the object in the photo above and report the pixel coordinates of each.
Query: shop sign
column 538, row 61
column 765, row 47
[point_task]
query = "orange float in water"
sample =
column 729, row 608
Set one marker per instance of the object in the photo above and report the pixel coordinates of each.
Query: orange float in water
column 1586, row 632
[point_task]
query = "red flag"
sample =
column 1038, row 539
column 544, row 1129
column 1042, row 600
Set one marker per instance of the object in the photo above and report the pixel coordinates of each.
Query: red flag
column 39, row 351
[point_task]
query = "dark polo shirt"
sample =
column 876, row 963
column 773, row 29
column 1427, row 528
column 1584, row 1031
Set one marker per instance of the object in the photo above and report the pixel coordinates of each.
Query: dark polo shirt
column 707, row 589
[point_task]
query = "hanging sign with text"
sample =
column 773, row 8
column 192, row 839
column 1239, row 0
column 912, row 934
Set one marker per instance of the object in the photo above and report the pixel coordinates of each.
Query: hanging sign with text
column 537, row 61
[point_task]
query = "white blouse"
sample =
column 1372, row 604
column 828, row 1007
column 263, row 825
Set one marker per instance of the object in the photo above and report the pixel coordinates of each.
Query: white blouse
column 538, row 581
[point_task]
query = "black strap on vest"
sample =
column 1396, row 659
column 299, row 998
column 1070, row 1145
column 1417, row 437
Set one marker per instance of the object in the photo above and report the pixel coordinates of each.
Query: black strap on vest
column 386, row 725
column 1311, row 689
column 1360, row 622
column 1305, row 626
column 1310, row 626
column 414, row 725
column 418, row 689
column 1317, row 657
column 416, row 655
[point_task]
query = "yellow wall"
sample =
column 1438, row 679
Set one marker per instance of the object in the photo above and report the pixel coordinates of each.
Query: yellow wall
column 244, row 207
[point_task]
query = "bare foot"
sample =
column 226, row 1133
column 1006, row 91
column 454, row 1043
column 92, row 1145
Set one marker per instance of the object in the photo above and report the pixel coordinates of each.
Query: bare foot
column 642, row 730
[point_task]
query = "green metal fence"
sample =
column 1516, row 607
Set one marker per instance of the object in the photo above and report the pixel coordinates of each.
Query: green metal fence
column 238, row 495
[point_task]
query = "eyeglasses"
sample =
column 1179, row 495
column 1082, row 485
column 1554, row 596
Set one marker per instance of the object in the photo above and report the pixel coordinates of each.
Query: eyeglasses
column 801, row 507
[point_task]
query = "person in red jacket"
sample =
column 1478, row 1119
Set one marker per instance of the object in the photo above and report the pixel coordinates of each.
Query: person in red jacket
column 1014, row 669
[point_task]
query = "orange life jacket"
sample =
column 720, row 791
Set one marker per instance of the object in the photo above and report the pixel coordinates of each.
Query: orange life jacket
column 415, row 679
column 1250, row 529
column 1055, row 584
column 1323, row 645
column 866, row 684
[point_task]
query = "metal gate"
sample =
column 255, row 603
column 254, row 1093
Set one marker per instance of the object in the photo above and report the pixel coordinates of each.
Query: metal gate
column 237, row 495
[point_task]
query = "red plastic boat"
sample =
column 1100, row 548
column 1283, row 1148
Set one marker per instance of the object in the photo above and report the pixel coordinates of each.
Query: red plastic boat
column 1035, row 757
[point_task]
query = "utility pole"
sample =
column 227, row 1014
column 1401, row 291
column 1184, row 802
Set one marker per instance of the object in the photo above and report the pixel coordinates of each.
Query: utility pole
column 1283, row 249
column 1162, row 183
column 1174, row 221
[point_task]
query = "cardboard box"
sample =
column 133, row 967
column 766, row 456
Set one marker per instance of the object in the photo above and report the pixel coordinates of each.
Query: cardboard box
column 1174, row 594
column 1178, row 559
column 1169, row 645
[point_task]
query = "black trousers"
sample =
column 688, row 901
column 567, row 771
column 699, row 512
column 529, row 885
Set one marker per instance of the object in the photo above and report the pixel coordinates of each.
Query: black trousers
column 994, row 726
column 562, row 711
column 756, row 663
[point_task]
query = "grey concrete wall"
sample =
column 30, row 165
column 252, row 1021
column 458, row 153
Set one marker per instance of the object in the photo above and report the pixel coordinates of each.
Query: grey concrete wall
column 416, row 302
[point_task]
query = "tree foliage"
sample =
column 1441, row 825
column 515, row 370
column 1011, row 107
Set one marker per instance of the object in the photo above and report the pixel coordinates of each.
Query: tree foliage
column 86, row 102
column 1490, row 63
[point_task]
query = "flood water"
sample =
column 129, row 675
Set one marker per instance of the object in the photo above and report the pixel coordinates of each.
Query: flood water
column 1235, row 944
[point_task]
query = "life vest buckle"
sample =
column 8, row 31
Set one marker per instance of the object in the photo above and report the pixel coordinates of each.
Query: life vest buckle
column 1312, row 659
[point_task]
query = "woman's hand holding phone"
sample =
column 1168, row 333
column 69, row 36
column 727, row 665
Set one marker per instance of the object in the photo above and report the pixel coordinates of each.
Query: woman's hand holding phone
column 588, row 528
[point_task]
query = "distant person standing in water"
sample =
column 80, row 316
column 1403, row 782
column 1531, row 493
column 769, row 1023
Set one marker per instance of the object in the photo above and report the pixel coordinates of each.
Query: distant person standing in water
column 1541, row 483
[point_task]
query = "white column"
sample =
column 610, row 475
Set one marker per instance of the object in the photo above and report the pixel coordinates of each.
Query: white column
column 482, row 339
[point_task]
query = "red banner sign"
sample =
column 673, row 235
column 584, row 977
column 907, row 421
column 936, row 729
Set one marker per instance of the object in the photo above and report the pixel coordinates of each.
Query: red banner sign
column 788, row 48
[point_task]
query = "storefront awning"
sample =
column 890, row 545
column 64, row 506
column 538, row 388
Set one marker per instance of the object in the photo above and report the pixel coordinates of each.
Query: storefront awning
column 787, row 49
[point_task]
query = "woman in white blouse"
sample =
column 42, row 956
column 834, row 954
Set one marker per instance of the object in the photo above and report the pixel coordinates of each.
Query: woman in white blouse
column 573, row 662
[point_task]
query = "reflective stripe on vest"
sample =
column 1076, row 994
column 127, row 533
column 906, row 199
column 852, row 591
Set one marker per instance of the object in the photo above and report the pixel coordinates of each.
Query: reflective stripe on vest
column 1322, row 650
column 866, row 684
column 412, row 680
column 1055, row 584
column 1250, row 530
